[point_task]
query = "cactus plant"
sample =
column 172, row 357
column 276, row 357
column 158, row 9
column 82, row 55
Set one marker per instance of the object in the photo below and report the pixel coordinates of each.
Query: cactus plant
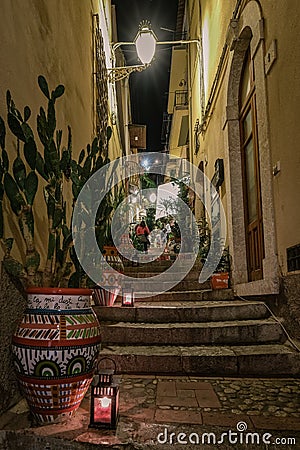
column 95, row 157
column 48, row 170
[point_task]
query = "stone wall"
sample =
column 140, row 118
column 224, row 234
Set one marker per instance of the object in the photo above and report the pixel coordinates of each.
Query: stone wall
column 12, row 304
column 286, row 304
column 289, row 301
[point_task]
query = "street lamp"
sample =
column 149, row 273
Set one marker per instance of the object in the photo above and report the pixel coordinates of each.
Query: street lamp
column 145, row 43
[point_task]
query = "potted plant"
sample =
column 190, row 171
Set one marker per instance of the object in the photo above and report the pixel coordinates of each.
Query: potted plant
column 220, row 278
column 106, row 293
column 57, row 342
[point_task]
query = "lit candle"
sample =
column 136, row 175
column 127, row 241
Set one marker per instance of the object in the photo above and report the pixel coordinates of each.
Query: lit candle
column 127, row 299
column 102, row 409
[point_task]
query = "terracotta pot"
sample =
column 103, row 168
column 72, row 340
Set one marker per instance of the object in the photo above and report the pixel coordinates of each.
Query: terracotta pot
column 55, row 348
column 220, row 280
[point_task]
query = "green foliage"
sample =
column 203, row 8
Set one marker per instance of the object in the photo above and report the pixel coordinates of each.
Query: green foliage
column 147, row 181
column 2, row 133
column 88, row 163
column 43, row 86
column 205, row 243
column 224, row 263
column 30, row 153
column 53, row 164
column 13, row 193
column 204, row 238
column 150, row 218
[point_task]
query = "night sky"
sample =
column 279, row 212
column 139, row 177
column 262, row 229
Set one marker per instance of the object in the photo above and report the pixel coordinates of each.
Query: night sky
column 148, row 88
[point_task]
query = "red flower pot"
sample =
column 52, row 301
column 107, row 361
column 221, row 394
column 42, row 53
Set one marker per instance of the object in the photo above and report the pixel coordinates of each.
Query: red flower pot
column 220, row 280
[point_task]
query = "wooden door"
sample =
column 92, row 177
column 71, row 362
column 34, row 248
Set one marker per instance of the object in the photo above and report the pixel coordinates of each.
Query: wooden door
column 251, row 175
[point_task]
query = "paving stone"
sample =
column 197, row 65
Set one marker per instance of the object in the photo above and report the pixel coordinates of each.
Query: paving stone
column 145, row 415
column 294, row 405
column 193, row 385
column 285, row 390
column 166, row 388
column 177, row 401
column 189, row 393
column 280, row 414
column 172, row 416
column 207, row 398
column 229, row 391
column 140, row 420
column 243, row 407
column 273, row 408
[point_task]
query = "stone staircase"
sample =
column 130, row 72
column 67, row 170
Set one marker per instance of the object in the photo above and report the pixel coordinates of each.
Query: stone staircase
column 196, row 332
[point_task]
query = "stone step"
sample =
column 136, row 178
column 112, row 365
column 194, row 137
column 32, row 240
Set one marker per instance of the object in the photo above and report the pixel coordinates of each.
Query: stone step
column 187, row 295
column 208, row 333
column 157, row 266
column 135, row 272
column 145, row 284
column 206, row 311
column 265, row 360
column 192, row 285
column 153, row 266
column 148, row 285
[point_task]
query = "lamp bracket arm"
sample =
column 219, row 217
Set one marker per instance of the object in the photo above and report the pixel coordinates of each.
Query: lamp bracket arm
column 197, row 41
column 119, row 73
column 118, row 44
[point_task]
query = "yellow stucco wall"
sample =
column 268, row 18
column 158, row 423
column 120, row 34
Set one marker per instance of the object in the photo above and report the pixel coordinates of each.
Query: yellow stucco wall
column 281, row 23
column 52, row 38
column 209, row 22
column 283, row 90
column 215, row 16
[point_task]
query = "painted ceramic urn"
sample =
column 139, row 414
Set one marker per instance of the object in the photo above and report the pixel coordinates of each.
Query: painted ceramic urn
column 55, row 349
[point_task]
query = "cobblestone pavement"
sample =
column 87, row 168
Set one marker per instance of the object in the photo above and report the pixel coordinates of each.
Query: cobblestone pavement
column 150, row 405
column 269, row 398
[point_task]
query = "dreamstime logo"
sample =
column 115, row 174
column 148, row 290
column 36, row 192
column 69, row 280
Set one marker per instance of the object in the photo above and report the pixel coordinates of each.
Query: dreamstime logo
column 108, row 178
column 232, row 437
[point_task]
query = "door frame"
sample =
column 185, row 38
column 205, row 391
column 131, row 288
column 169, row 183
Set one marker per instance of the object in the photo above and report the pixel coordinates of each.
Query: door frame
column 253, row 227
column 249, row 35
